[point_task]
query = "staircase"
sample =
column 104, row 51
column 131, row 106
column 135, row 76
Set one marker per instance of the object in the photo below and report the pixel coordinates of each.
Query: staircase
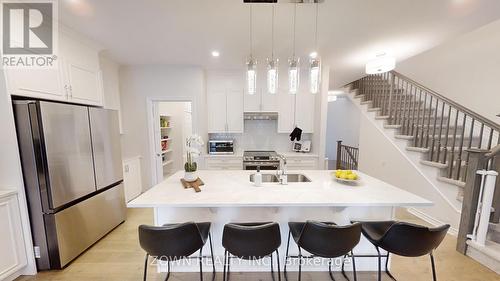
column 440, row 131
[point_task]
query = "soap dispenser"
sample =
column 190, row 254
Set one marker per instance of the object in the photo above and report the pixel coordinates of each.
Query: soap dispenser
column 257, row 178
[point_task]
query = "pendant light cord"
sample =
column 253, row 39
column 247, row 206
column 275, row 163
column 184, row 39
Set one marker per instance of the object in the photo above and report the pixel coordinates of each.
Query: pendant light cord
column 251, row 31
column 316, row 28
column 294, row 29
column 272, row 34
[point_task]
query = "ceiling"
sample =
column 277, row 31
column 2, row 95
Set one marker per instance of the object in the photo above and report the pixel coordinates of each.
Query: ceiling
column 351, row 32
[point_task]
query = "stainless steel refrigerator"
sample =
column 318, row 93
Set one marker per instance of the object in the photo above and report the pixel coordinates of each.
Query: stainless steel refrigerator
column 72, row 170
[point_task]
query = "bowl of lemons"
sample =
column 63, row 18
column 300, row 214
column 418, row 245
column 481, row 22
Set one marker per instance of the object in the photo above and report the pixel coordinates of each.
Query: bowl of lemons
column 347, row 176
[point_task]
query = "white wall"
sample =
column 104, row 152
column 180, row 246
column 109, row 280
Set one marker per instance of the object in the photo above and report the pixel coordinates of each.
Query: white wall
column 465, row 69
column 137, row 84
column 342, row 124
column 382, row 159
column 11, row 176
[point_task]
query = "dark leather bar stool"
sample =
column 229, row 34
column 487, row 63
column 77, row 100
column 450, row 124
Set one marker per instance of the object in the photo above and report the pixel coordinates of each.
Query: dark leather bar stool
column 251, row 241
column 404, row 239
column 172, row 242
column 324, row 239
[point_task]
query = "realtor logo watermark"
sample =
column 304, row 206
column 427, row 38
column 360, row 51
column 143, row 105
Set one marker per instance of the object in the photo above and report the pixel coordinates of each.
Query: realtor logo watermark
column 29, row 34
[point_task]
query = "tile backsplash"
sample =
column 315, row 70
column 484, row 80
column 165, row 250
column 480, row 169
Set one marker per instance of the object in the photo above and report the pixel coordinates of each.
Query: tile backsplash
column 260, row 135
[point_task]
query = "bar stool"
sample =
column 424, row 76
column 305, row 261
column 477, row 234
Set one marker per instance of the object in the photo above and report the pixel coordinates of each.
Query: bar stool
column 324, row 239
column 251, row 241
column 404, row 239
column 172, row 242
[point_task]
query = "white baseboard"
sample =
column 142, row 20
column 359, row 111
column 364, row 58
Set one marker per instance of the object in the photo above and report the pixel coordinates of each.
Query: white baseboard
column 423, row 216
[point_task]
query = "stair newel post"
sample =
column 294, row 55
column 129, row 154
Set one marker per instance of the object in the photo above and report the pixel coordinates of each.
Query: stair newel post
column 472, row 188
column 339, row 153
column 391, row 93
column 495, row 217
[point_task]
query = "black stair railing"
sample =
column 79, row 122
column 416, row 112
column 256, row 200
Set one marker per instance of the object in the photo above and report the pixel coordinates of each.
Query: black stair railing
column 347, row 157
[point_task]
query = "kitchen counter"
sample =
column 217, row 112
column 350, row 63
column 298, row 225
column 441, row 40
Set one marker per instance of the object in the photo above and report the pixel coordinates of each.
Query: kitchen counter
column 234, row 189
column 229, row 196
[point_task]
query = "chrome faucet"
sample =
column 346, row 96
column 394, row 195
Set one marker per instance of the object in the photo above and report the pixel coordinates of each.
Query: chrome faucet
column 281, row 173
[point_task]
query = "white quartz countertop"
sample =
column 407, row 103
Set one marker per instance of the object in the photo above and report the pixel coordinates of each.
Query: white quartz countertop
column 233, row 189
column 290, row 154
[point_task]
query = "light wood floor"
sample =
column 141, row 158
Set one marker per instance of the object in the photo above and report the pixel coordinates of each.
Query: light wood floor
column 119, row 257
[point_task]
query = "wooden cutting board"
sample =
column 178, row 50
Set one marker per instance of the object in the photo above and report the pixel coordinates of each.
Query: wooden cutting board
column 193, row 184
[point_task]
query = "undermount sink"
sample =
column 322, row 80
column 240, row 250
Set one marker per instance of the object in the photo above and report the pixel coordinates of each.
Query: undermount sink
column 273, row 178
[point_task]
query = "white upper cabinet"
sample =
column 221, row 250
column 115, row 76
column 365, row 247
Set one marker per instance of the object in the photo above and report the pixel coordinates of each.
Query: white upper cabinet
column 296, row 110
column 305, row 112
column 224, row 102
column 42, row 83
column 286, row 116
column 234, row 107
column 77, row 77
column 261, row 101
column 82, row 71
column 217, row 115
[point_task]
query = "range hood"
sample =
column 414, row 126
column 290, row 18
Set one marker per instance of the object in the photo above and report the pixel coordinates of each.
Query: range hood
column 260, row 115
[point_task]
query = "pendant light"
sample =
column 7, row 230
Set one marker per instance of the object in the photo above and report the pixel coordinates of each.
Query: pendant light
column 314, row 62
column 272, row 64
column 251, row 65
column 293, row 63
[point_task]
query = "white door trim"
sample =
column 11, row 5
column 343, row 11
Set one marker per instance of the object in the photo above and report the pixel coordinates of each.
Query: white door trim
column 151, row 123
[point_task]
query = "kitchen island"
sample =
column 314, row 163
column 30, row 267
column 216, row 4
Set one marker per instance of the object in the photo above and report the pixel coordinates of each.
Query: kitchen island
column 230, row 196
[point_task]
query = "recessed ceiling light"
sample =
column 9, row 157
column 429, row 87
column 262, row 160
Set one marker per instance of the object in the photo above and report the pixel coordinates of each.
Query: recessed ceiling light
column 215, row 54
column 313, row 55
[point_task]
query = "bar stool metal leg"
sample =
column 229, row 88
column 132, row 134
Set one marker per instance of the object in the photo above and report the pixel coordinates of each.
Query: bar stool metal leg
column 434, row 277
column 212, row 255
column 278, row 260
column 146, row 267
column 354, row 267
column 201, row 263
column 330, row 269
column 168, row 270
column 286, row 256
column 272, row 267
column 225, row 263
column 379, row 265
column 300, row 264
column 387, row 267
column 343, row 271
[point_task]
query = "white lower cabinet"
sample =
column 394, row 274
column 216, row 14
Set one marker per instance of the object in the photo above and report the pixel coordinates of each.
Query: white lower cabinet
column 12, row 253
column 223, row 163
column 302, row 163
column 132, row 180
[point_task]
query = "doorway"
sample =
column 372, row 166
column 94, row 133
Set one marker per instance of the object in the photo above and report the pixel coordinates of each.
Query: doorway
column 172, row 124
column 343, row 123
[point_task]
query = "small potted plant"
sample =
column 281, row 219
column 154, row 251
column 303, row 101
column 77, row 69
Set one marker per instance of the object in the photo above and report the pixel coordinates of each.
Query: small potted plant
column 192, row 151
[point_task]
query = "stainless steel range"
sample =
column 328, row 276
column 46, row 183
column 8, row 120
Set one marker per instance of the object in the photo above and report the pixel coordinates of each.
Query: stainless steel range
column 266, row 160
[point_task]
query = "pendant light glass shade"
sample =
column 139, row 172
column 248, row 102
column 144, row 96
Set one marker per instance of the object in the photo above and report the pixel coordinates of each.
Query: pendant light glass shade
column 293, row 75
column 251, row 76
column 314, row 75
column 272, row 76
